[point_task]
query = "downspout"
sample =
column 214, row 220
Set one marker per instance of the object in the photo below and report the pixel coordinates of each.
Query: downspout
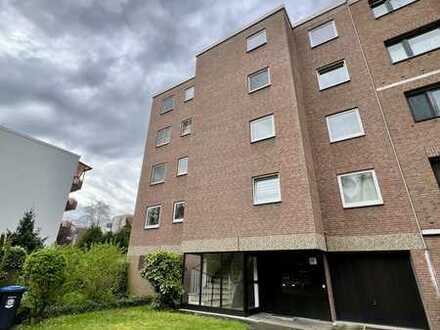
column 370, row 75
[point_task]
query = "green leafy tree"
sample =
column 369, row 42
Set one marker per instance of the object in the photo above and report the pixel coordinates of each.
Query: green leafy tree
column 122, row 238
column 44, row 276
column 11, row 263
column 26, row 235
column 92, row 235
column 163, row 270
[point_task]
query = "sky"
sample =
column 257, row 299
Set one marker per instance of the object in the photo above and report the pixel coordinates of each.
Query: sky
column 80, row 74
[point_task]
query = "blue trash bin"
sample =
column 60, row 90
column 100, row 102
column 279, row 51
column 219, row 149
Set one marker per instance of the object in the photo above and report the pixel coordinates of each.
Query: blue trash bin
column 10, row 298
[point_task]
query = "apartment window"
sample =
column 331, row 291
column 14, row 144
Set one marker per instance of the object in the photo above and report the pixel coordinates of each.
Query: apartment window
column 256, row 40
column 167, row 104
column 383, row 7
column 189, row 94
column 163, row 136
column 152, row 217
column 435, row 164
column 266, row 189
column 332, row 75
column 185, row 127
column 179, row 211
column 158, row 173
column 359, row 189
column 182, row 166
column 258, row 80
column 425, row 104
column 415, row 43
column 344, row 125
column 323, row 33
column 262, row 128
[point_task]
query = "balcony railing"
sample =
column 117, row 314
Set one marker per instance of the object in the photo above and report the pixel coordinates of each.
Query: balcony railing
column 71, row 204
column 76, row 184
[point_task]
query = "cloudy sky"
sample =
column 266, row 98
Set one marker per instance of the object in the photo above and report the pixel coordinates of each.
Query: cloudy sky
column 80, row 74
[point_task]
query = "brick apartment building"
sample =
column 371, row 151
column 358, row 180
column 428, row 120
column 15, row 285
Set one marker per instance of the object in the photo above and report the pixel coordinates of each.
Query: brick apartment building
column 299, row 170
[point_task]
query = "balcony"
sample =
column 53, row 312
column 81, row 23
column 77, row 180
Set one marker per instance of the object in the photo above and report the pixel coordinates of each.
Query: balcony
column 76, row 184
column 71, row 204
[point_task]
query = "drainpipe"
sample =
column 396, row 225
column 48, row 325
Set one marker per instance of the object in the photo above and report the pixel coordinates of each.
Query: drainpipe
column 370, row 75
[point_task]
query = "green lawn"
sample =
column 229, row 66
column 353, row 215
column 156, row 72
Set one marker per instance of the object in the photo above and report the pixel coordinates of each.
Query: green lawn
column 135, row 318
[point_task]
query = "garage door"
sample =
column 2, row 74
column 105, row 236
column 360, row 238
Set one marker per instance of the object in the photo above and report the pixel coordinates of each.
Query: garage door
column 378, row 288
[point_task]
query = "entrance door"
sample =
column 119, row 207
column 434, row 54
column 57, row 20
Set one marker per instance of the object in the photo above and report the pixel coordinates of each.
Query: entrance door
column 293, row 283
column 376, row 288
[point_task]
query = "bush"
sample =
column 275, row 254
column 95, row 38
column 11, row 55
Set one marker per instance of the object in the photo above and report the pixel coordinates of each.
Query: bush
column 164, row 271
column 12, row 259
column 44, row 276
column 92, row 235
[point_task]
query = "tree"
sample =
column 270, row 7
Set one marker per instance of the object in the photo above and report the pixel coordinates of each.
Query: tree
column 97, row 213
column 91, row 236
column 122, row 237
column 26, row 235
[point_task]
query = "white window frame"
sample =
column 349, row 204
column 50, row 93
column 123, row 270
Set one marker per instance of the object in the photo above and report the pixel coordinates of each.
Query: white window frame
column 258, row 178
column 329, row 66
column 346, row 205
column 181, row 127
column 169, row 138
column 174, row 211
column 253, row 140
column 249, row 49
column 255, row 73
column 333, row 23
column 162, row 111
column 146, row 226
column 361, row 126
column 178, row 166
column 152, row 171
column 185, row 99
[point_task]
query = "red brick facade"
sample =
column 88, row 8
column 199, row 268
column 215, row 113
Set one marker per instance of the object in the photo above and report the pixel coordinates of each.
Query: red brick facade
column 220, row 215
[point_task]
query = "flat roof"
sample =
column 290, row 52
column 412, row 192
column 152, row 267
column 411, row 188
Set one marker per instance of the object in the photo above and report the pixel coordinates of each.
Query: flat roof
column 173, row 86
column 32, row 139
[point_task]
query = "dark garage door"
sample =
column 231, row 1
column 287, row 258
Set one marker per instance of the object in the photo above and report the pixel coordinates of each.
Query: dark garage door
column 376, row 288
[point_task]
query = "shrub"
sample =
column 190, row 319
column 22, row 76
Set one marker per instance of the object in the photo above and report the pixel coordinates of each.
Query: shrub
column 44, row 275
column 164, row 271
column 12, row 259
column 92, row 235
column 98, row 274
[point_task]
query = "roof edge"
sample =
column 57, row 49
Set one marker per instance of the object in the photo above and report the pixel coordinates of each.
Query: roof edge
column 319, row 13
column 32, row 139
column 155, row 94
column 247, row 26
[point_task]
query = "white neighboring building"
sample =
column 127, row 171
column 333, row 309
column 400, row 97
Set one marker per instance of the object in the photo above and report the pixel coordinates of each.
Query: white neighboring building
column 120, row 221
column 37, row 175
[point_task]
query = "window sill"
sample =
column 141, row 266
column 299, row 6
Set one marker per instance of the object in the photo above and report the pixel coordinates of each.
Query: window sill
column 151, row 227
column 178, row 221
column 264, row 139
column 164, row 112
column 186, row 134
column 259, row 88
column 183, row 174
column 156, row 183
column 324, row 42
column 358, row 206
column 161, row 145
column 427, row 119
column 347, row 138
column 267, row 203
column 333, row 86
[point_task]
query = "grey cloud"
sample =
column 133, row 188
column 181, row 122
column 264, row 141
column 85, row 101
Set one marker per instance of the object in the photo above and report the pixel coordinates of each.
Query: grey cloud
column 82, row 73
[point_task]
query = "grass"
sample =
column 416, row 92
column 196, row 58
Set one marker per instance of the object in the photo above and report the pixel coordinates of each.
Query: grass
column 135, row 318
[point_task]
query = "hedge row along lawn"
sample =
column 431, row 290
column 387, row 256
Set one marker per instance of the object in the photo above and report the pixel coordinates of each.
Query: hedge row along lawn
column 135, row 318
